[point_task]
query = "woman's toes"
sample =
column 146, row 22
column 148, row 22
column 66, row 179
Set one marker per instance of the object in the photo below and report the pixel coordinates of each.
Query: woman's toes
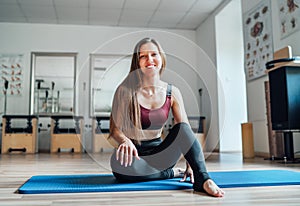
column 212, row 189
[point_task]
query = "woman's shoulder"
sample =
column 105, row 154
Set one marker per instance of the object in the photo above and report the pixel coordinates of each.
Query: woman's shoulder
column 175, row 90
column 176, row 94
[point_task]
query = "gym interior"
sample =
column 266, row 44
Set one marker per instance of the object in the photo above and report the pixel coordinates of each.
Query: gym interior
column 61, row 62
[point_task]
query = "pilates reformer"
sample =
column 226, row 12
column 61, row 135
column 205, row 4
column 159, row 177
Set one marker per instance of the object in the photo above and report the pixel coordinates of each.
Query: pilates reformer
column 66, row 138
column 19, row 139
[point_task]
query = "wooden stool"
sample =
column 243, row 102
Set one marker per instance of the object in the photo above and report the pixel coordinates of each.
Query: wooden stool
column 66, row 138
column 19, row 139
column 100, row 135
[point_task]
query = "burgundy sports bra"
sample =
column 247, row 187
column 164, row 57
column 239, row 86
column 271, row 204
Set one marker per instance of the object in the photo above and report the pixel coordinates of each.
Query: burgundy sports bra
column 152, row 119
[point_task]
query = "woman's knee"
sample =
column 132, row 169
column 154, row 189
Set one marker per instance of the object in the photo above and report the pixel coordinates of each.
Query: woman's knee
column 183, row 129
column 181, row 124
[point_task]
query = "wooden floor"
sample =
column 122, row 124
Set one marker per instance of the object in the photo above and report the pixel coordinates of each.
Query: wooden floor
column 16, row 169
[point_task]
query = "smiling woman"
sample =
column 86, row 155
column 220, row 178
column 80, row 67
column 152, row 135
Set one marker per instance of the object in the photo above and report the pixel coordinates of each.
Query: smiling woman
column 150, row 59
column 141, row 106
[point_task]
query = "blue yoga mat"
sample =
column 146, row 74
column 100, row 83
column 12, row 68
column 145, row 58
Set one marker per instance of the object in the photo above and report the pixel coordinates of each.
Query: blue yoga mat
column 107, row 183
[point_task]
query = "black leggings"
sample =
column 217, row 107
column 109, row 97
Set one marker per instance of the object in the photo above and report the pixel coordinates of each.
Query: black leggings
column 157, row 158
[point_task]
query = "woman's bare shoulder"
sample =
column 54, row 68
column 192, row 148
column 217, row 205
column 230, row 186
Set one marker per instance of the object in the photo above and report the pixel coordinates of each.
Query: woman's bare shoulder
column 175, row 91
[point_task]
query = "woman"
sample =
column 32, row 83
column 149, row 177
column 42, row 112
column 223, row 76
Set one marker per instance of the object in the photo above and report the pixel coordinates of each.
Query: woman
column 140, row 109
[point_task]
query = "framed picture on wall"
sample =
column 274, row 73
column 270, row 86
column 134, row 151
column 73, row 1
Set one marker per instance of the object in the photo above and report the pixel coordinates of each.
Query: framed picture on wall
column 289, row 17
column 258, row 41
column 11, row 74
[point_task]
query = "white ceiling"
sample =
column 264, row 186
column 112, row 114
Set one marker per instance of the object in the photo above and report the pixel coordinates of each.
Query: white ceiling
column 171, row 14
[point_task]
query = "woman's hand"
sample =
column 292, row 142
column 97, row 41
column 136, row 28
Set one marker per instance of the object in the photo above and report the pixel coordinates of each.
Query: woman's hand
column 125, row 152
column 188, row 173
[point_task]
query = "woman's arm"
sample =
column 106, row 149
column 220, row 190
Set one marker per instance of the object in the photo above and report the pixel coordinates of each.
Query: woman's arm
column 116, row 116
column 126, row 150
column 116, row 133
column 178, row 110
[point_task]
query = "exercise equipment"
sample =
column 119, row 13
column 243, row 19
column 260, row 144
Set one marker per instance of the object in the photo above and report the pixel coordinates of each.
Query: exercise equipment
column 5, row 96
column 100, row 134
column 107, row 182
column 19, row 139
column 47, row 103
column 66, row 139
column 38, row 81
column 52, row 97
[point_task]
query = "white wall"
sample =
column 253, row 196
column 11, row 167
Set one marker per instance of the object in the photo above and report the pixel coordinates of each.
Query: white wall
column 231, row 77
column 206, row 39
column 255, row 88
column 27, row 38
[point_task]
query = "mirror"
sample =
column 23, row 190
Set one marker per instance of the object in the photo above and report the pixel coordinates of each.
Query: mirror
column 52, row 83
column 106, row 73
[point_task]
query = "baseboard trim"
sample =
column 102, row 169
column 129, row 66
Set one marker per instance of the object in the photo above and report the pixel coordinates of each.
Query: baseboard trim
column 262, row 154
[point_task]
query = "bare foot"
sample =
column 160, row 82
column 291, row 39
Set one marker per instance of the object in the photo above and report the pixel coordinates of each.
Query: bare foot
column 178, row 172
column 212, row 189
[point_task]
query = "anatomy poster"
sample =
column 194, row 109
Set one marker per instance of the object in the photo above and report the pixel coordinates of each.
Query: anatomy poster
column 11, row 72
column 258, row 41
column 289, row 16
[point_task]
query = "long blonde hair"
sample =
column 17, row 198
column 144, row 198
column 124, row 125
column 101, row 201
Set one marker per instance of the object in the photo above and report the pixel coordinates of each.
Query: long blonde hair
column 125, row 108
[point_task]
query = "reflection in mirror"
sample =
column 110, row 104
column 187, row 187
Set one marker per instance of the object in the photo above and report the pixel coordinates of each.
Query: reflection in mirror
column 106, row 73
column 52, row 83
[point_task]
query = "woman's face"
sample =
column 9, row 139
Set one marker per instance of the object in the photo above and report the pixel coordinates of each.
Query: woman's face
column 149, row 59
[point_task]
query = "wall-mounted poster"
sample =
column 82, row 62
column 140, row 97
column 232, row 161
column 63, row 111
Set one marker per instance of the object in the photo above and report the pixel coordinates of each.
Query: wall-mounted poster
column 258, row 41
column 289, row 16
column 11, row 74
